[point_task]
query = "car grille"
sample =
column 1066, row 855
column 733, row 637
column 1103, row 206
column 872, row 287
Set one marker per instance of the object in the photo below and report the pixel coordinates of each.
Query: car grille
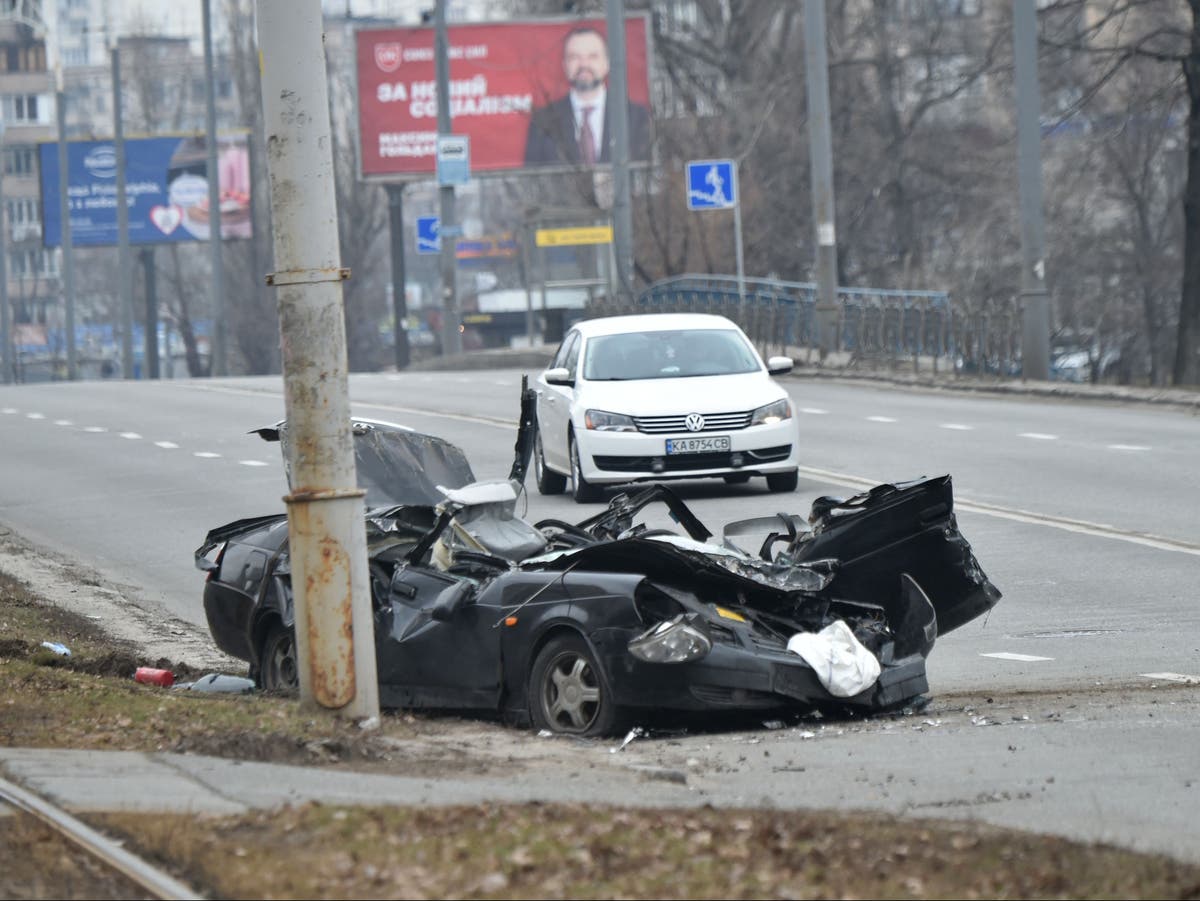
column 686, row 462
column 713, row 422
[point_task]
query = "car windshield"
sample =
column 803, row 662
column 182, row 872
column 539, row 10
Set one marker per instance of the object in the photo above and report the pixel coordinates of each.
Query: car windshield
column 683, row 353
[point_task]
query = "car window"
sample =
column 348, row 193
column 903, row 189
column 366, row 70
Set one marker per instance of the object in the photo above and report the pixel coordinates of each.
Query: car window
column 560, row 358
column 572, row 354
column 684, row 353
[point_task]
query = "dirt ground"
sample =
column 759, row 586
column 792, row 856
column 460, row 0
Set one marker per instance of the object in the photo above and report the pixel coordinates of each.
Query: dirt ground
column 89, row 700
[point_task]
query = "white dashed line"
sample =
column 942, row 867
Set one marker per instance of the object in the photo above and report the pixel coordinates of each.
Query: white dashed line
column 96, row 429
column 253, row 463
column 880, row 419
column 35, row 415
column 1128, row 447
column 168, row 445
column 208, row 455
column 62, row 422
column 1021, row 658
column 1173, row 677
column 956, row 427
column 814, row 411
column 132, row 436
column 9, row 411
column 1038, row 436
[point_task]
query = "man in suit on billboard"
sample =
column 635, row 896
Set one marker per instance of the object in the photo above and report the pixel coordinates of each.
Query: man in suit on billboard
column 574, row 129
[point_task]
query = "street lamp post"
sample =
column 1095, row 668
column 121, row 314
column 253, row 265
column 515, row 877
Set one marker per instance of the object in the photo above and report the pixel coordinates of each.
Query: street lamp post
column 6, row 347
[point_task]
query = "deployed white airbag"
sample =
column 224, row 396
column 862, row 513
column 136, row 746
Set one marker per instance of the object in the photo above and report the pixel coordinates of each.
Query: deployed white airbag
column 844, row 666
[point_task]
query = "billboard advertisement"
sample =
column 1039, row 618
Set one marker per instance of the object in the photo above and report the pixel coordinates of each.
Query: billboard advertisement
column 166, row 190
column 528, row 95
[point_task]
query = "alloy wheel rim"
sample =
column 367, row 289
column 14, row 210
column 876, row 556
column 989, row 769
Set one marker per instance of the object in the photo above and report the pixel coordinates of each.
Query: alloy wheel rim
column 570, row 693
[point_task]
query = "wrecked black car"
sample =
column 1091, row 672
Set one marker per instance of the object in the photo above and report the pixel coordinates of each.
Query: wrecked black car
column 575, row 627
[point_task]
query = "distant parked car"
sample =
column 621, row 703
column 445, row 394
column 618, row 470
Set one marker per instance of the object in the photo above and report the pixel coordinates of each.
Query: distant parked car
column 662, row 396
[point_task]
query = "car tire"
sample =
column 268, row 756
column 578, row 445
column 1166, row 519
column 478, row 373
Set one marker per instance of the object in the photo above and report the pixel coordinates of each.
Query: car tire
column 783, row 481
column 548, row 481
column 278, row 666
column 584, row 491
column 736, row 478
column 568, row 693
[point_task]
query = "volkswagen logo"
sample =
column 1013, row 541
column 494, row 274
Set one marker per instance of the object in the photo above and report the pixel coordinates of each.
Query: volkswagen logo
column 694, row 422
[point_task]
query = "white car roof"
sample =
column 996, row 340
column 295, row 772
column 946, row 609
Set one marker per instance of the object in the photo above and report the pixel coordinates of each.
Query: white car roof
column 651, row 322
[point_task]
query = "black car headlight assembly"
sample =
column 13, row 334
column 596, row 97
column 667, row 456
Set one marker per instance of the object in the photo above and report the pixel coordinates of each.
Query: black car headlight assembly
column 679, row 640
column 603, row 421
column 772, row 413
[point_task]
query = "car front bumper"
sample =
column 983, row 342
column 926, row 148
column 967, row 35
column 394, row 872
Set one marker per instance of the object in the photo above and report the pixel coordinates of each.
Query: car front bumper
column 612, row 457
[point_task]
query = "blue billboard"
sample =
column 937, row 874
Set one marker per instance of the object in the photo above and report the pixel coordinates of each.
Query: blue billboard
column 166, row 190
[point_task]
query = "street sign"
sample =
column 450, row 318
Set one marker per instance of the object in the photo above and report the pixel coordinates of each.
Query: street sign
column 453, row 159
column 712, row 185
column 428, row 239
column 563, row 237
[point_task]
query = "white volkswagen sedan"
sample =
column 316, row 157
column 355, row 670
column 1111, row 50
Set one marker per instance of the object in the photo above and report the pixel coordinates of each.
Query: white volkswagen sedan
column 662, row 396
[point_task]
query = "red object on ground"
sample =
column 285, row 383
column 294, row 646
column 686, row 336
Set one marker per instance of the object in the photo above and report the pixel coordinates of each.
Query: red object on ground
column 151, row 676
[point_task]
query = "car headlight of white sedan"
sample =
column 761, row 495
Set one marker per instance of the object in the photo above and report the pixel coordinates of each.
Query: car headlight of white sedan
column 772, row 413
column 601, row 421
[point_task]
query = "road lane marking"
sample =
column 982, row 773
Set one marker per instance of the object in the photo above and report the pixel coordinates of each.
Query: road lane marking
column 208, row 455
column 253, row 463
column 957, row 427
column 131, row 436
column 1020, row 658
column 1038, row 436
column 1079, row 526
column 1128, row 447
column 1173, row 677
column 95, row 429
column 62, row 422
column 35, row 415
column 880, row 419
column 9, row 411
column 168, row 445
column 814, row 411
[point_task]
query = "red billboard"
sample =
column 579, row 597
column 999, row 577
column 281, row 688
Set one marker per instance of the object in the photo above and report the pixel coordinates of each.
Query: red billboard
column 527, row 94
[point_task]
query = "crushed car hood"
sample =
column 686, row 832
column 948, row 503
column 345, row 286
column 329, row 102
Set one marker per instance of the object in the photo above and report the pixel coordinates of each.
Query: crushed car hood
column 396, row 466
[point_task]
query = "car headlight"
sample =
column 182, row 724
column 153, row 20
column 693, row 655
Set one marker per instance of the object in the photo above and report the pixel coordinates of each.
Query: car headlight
column 677, row 640
column 601, row 421
column 772, row 413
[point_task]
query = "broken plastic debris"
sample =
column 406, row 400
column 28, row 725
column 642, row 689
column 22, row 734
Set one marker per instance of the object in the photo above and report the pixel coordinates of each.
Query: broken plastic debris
column 635, row 732
column 54, row 647
column 807, row 734
column 773, row 724
column 545, row 733
column 218, row 683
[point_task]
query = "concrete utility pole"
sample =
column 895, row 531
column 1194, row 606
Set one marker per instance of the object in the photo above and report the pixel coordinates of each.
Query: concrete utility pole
column 64, row 215
column 618, row 127
column 217, row 276
column 816, row 74
column 448, row 226
column 335, row 637
column 1035, row 302
column 123, row 267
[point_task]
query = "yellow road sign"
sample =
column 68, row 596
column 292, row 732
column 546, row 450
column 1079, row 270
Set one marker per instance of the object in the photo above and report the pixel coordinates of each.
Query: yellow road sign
column 562, row 237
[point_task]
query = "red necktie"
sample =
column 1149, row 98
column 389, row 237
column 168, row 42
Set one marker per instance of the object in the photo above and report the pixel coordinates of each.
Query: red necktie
column 587, row 142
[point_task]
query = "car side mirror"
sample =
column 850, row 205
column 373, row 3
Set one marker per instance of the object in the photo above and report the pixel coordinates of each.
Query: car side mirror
column 451, row 600
column 558, row 376
column 779, row 365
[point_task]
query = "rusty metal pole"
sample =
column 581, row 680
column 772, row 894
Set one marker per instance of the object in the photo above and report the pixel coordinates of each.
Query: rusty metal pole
column 335, row 640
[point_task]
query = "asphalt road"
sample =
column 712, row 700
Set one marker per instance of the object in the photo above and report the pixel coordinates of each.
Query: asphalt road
column 1084, row 514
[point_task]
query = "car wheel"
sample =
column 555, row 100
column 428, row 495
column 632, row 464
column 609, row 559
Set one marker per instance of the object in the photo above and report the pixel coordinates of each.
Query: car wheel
column 783, row 481
column 737, row 478
column 279, row 670
column 548, row 481
column 567, row 692
column 585, row 492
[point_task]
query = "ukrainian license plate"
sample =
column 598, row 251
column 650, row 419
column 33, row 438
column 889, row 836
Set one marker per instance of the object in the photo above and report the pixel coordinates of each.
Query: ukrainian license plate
column 706, row 445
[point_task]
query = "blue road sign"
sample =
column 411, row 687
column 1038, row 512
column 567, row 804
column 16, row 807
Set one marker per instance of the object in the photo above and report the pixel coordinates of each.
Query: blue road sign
column 712, row 185
column 428, row 239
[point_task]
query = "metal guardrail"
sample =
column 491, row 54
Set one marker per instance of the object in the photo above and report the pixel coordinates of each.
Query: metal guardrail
column 875, row 327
